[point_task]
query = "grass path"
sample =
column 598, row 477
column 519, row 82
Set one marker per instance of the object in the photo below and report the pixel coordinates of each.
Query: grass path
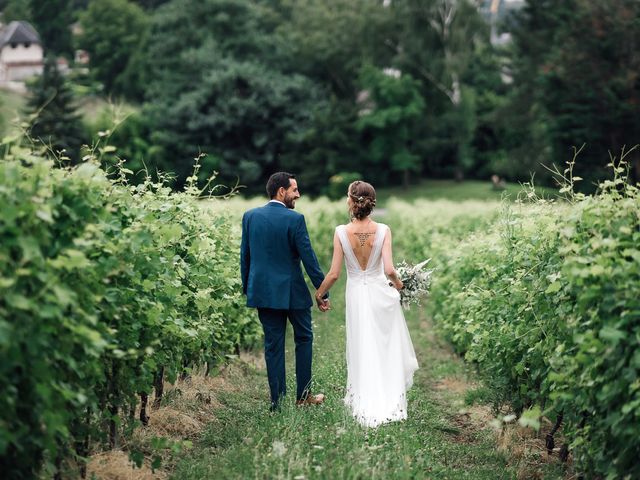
column 442, row 438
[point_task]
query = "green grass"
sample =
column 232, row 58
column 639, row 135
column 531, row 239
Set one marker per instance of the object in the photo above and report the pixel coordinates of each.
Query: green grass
column 434, row 190
column 93, row 108
column 457, row 191
column 11, row 107
column 90, row 107
column 245, row 441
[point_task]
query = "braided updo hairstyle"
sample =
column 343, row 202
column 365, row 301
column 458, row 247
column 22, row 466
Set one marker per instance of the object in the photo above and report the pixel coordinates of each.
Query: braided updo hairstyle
column 363, row 198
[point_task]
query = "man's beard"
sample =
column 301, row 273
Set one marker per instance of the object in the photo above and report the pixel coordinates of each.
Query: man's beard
column 290, row 202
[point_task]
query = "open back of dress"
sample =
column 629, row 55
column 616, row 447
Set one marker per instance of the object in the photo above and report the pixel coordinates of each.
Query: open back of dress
column 380, row 356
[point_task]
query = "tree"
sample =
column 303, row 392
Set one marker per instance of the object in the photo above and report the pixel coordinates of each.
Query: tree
column 486, row 96
column 199, row 59
column 221, row 89
column 436, row 42
column 54, row 119
column 330, row 40
column 576, row 81
column 52, row 20
column 150, row 4
column 330, row 144
column 241, row 113
column 16, row 10
column 113, row 32
column 395, row 108
column 241, row 29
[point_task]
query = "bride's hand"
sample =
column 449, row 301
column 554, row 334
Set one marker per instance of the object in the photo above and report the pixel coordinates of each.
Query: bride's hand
column 399, row 285
column 323, row 305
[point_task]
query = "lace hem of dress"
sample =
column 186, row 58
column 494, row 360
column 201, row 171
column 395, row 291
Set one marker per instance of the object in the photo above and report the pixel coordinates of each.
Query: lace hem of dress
column 367, row 419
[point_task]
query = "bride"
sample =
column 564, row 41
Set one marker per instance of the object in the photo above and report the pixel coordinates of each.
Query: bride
column 380, row 356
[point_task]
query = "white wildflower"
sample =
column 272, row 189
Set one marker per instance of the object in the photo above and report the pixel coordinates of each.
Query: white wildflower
column 279, row 448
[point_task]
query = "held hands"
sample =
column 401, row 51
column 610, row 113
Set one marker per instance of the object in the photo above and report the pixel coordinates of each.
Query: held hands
column 323, row 304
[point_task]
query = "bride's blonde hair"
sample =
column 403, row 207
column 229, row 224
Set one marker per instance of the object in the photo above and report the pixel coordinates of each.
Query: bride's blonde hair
column 363, row 198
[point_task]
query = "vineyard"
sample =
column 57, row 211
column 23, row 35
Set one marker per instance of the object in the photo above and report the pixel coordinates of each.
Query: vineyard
column 106, row 290
column 546, row 303
column 109, row 292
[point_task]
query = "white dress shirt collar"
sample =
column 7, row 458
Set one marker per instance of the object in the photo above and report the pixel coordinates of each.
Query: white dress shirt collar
column 278, row 201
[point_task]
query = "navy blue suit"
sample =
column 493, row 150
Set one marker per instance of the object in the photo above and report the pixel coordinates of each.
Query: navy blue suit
column 274, row 242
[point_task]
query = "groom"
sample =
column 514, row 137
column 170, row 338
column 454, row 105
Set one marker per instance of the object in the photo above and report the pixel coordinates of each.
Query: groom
column 274, row 240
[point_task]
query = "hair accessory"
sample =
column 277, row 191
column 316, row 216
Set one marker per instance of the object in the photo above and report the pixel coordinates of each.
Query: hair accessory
column 360, row 198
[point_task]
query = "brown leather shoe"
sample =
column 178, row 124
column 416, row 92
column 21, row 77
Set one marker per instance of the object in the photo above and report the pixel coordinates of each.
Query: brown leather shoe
column 311, row 400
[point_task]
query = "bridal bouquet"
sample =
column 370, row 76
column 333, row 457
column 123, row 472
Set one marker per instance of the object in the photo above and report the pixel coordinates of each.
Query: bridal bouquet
column 416, row 280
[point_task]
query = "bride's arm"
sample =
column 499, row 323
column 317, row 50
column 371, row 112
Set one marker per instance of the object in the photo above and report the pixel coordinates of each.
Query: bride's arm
column 387, row 260
column 334, row 272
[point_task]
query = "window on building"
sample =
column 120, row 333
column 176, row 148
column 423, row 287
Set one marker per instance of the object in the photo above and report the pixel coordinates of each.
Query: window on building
column 27, row 44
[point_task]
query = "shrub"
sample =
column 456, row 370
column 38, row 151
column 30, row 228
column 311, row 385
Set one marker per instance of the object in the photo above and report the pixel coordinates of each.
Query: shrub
column 546, row 303
column 104, row 287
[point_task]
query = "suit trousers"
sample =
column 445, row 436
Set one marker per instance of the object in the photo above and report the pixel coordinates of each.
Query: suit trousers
column 274, row 324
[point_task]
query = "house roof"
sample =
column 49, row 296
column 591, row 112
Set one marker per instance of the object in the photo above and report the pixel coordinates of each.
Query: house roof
column 18, row 32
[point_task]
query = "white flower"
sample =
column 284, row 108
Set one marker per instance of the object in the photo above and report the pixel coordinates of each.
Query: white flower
column 279, row 448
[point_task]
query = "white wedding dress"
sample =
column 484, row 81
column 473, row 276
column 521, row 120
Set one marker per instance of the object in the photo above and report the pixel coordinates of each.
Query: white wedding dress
column 380, row 356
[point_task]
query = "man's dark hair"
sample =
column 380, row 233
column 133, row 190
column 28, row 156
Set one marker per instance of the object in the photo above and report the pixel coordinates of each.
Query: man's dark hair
column 277, row 180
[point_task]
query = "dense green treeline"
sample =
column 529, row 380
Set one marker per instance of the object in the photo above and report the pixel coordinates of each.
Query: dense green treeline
column 390, row 90
column 575, row 70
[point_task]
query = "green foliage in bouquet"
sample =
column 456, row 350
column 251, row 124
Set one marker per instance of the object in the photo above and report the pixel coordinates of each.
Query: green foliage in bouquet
column 416, row 281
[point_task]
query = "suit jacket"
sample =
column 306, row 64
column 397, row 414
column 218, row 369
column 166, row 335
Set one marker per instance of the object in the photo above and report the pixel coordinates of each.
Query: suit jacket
column 274, row 241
